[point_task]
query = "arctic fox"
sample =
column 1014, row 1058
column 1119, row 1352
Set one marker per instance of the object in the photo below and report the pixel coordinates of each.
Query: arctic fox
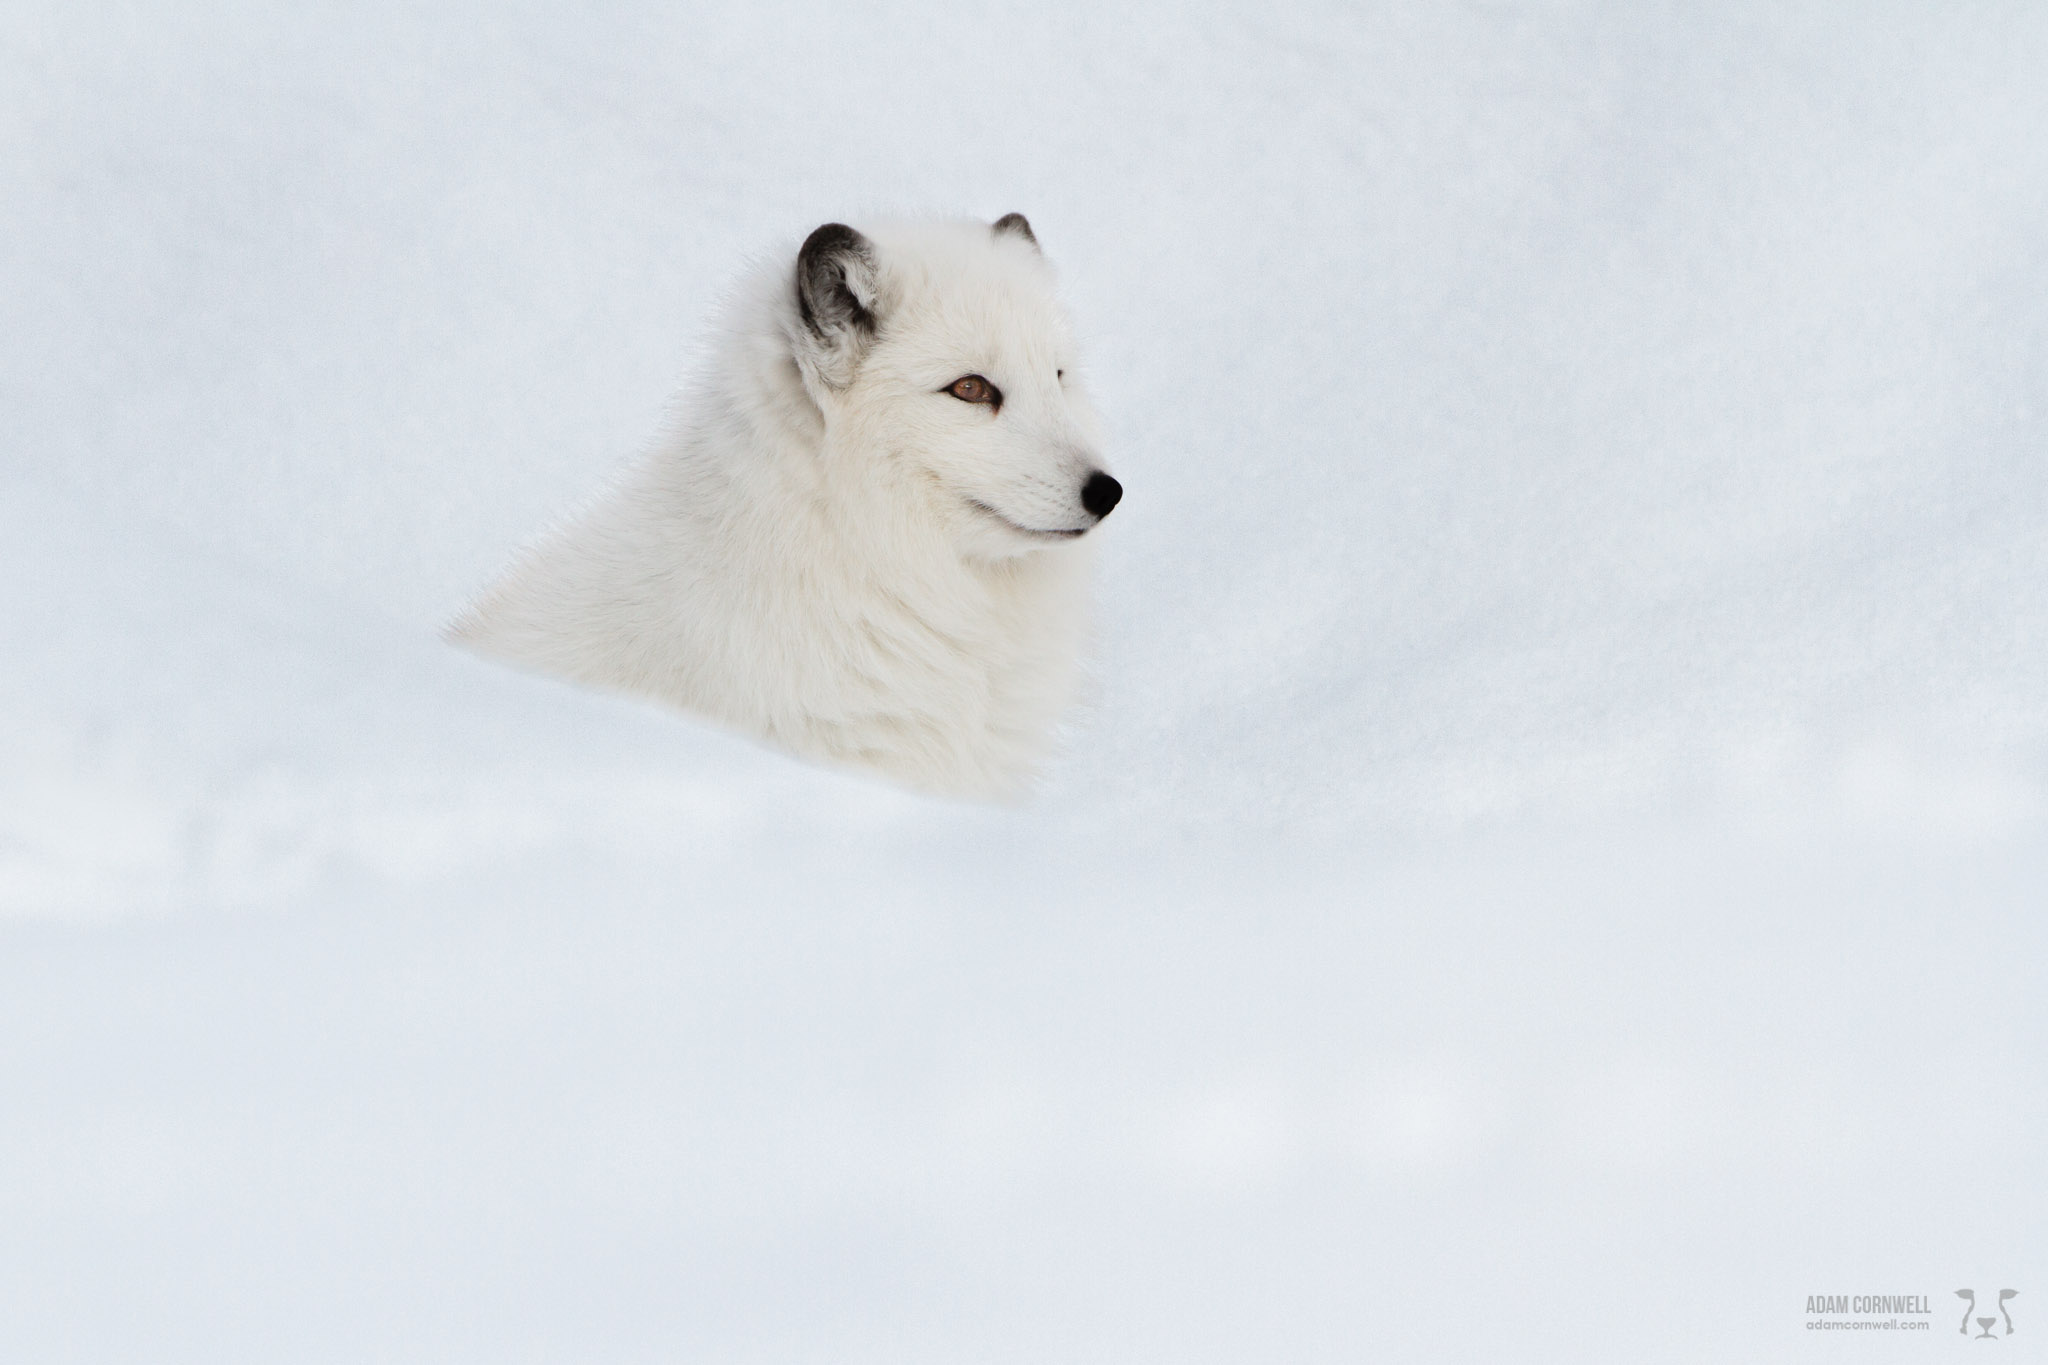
column 867, row 542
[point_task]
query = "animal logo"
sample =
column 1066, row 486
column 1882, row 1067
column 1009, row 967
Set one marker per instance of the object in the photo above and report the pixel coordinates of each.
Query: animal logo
column 869, row 539
column 1969, row 1297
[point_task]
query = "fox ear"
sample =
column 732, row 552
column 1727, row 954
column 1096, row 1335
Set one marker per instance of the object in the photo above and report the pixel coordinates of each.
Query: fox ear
column 837, row 291
column 1017, row 225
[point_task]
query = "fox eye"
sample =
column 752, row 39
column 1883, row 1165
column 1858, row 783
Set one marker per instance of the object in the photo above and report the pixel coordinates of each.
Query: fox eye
column 1059, row 374
column 972, row 388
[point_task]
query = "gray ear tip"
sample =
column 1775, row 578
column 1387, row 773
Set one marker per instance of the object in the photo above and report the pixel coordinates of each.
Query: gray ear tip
column 1018, row 224
column 830, row 240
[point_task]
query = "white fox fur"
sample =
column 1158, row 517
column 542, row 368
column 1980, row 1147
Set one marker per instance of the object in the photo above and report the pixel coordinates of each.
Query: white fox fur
column 834, row 551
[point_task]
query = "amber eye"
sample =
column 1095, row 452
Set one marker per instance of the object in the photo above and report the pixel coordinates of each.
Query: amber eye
column 974, row 389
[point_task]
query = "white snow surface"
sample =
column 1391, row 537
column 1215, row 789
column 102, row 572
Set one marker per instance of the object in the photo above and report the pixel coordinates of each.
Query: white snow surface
column 1552, row 867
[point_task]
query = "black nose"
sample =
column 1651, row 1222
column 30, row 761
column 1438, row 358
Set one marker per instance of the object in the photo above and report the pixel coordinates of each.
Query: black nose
column 1101, row 494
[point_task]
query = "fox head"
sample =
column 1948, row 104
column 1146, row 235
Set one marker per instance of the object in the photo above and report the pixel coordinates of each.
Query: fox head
column 942, row 362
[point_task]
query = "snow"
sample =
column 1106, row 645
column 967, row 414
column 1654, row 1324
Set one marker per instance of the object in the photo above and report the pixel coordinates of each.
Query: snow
column 1551, row 867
